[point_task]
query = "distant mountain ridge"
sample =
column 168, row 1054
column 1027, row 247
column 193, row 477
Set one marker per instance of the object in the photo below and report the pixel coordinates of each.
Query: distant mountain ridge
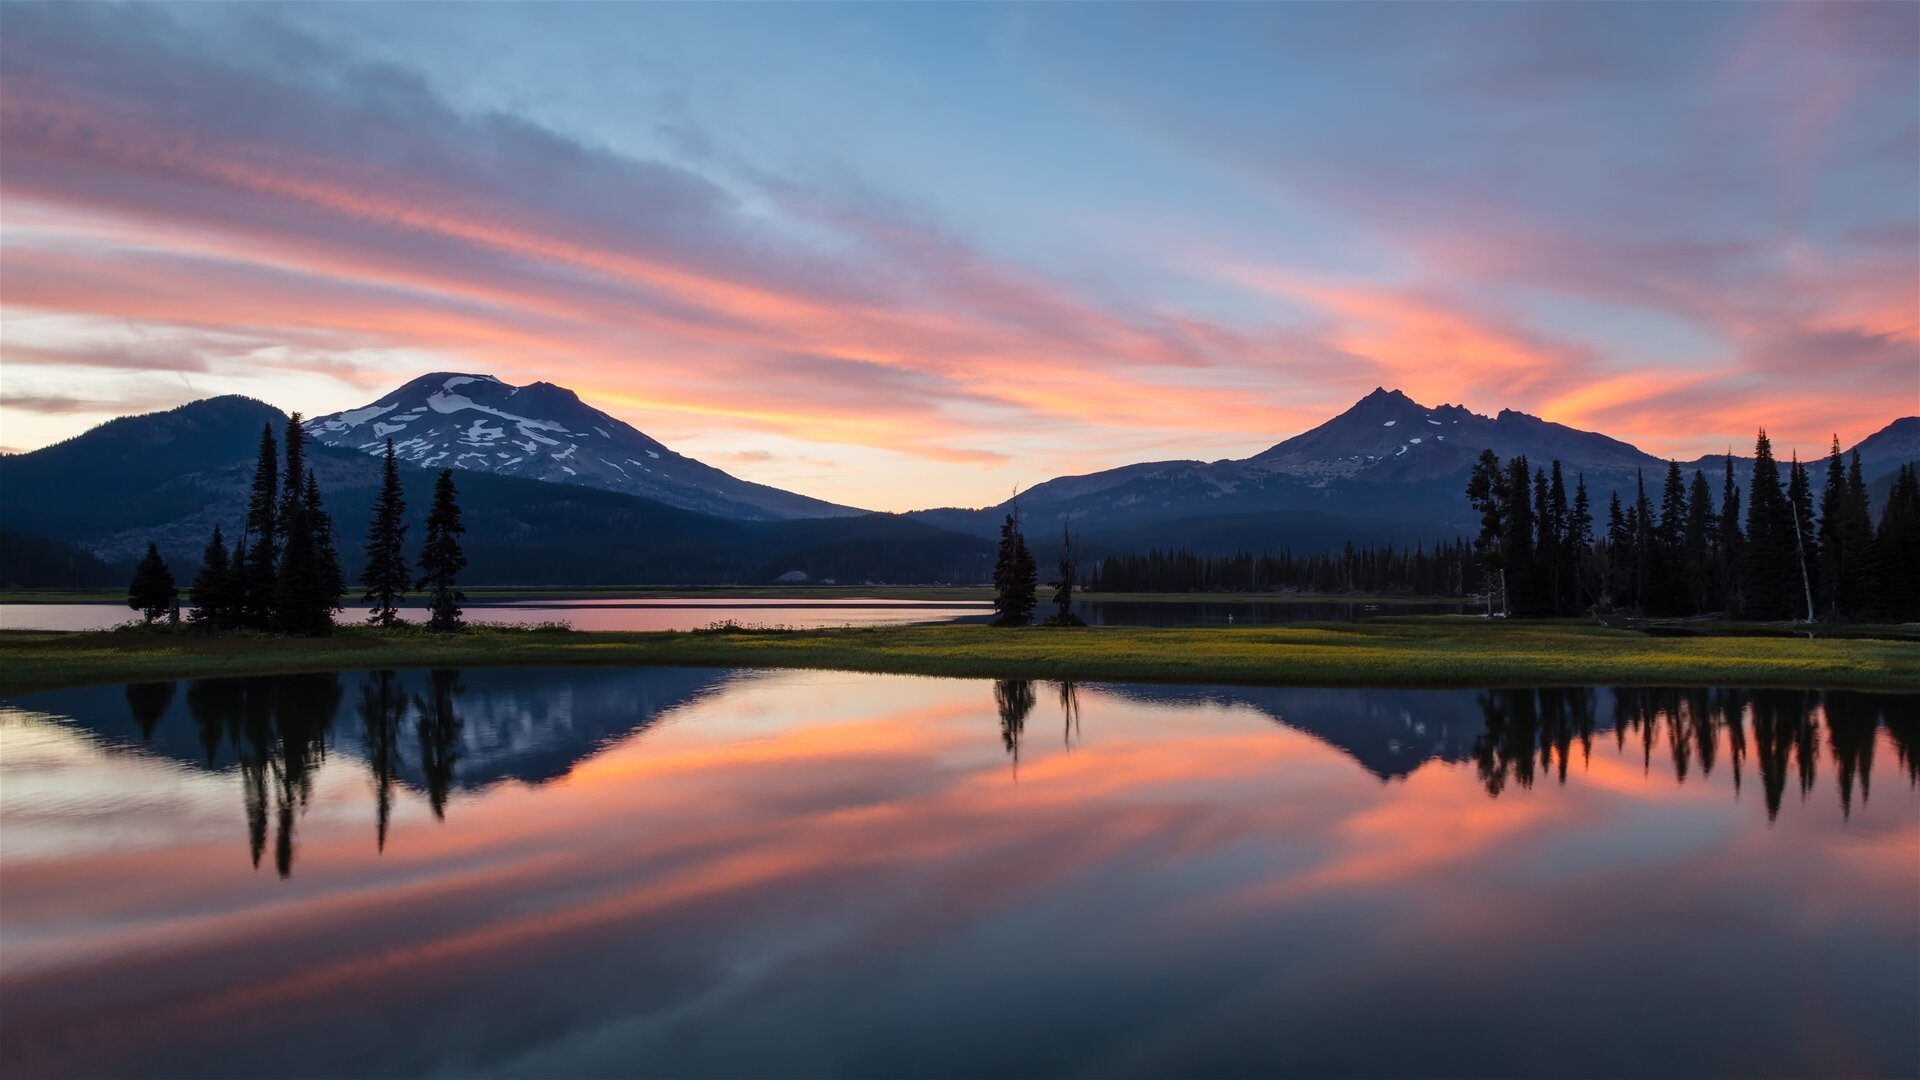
column 451, row 420
column 1387, row 470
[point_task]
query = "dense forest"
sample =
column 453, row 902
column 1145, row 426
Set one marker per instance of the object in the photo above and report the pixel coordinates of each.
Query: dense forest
column 1689, row 550
column 1445, row 569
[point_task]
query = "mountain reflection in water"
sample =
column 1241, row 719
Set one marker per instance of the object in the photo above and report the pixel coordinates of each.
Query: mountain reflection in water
column 690, row 871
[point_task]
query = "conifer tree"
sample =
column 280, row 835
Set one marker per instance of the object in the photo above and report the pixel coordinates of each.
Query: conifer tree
column 1698, row 544
column 300, row 605
column 1767, row 577
column 262, row 537
column 1864, row 564
column 1554, row 543
column 1518, row 543
column 1063, row 583
column 213, row 585
column 1014, row 575
column 293, row 473
column 1806, row 555
column 152, row 592
column 1898, row 544
column 1580, row 543
column 441, row 558
column 1619, row 583
column 1729, row 548
column 1833, row 541
column 1486, row 490
column 385, row 576
column 333, row 584
column 1646, row 549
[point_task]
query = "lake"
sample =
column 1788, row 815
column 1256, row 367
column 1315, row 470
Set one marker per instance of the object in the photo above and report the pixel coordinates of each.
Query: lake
column 694, row 872
column 666, row 613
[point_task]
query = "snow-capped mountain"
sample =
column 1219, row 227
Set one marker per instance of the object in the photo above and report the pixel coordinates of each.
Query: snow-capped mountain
column 540, row 431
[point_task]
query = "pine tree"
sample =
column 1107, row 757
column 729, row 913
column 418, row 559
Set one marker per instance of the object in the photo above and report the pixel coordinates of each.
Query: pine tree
column 1554, row 543
column 1833, row 541
column 1063, row 582
column 262, row 537
column 1698, row 545
column 1767, row 577
column 1014, row 575
column 1486, row 490
column 1898, row 545
column 1619, row 583
column 385, row 576
column 213, row 585
column 1646, row 548
column 1669, row 590
column 1864, row 563
column 152, row 592
column 1729, row 548
column 1580, row 543
column 299, row 604
column 332, row 583
column 293, row 473
column 1805, row 553
column 1519, row 539
column 441, row 559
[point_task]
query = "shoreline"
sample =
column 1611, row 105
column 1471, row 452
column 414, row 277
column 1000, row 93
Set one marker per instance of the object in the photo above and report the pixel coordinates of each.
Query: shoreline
column 481, row 595
column 1402, row 653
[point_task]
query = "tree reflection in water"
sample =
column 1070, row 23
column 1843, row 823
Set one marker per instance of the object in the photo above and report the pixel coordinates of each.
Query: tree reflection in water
column 277, row 729
column 439, row 729
column 383, row 706
column 1784, row 726
column 1013, row 699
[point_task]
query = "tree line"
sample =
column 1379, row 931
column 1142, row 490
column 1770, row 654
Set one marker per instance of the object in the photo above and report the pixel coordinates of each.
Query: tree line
column 1448, row 568
column 1691, row 551
column 283, row 572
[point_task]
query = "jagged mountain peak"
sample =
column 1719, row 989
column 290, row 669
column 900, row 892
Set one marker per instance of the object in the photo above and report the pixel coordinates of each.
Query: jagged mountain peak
column 544, row 431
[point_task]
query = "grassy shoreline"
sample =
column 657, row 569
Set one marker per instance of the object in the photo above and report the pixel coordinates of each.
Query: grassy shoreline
column 1410, row 652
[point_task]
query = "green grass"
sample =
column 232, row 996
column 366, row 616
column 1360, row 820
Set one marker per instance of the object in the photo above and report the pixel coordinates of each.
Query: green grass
column 1414, row 652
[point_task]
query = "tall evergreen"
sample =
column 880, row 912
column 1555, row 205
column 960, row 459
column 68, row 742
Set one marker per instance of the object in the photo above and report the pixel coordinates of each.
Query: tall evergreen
column 1865, row 565
column 333, row 583
column 1898, row 544
column 1522, row 579
column 1668, row 590
column 1063, row 580
column 152, row 592
column 1646, row 549
column 1833, row 541
column 1619, row 579
column 1767, row 574
column 262, row 537
column 385, row 576
column 293, row 473
column 1486, row 490
column 441, row 558
column 1014, row 575
column 1806, row 555
column 1697, row 545
column 213, row 596
column 1579, row 545
column 1729, row 548
column 300, row 605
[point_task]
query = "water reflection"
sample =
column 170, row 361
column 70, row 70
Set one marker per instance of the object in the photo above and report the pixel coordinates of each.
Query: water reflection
column 684, row 872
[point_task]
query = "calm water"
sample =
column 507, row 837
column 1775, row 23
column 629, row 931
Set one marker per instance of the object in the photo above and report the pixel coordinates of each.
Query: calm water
column 600, row 872
column 692, row 614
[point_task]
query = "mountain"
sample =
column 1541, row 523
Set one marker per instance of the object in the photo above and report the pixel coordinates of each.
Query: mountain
column 1387, row 470
column 540, row 431
column 170, row 477
column 1889, row 448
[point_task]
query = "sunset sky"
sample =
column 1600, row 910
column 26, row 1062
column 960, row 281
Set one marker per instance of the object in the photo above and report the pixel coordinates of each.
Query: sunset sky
column 900, row 256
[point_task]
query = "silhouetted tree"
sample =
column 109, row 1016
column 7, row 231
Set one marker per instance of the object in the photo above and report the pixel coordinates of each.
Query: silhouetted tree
column 1014, row 575
column 215, row 599
column 1805, row 553
column 153, row 593
column 1729, row 548
column 1486, row 491
column 441, row 558
column 261, row 539
column 1898, row 546
column 333, row 584
column 1013, row 699
column 1767, row 581
column 1697, row 545
column 385, row 576
column 1063, row 582
column 1579, row 544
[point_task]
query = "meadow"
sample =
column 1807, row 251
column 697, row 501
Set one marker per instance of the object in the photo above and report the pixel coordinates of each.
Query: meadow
column 1436, row 651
